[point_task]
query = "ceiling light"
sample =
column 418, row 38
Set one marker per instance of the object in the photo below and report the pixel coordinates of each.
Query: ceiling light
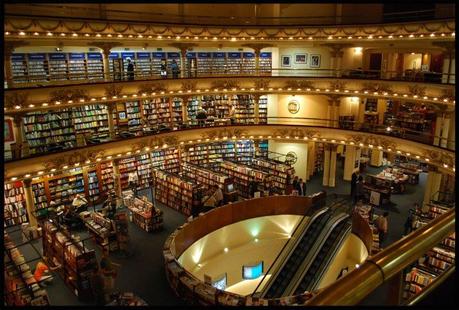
column 226, row 250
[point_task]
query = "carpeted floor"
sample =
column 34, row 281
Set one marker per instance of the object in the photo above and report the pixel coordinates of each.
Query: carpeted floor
column 143, row 273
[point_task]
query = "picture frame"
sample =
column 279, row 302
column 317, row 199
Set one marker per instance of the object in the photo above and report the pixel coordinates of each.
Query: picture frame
column 286, row 60
column 301, row 59
column 314, row 62
column 122, row 115
column 8, row 133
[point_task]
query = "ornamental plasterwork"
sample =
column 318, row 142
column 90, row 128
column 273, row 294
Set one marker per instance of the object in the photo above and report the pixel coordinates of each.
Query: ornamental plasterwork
column 416, row 90
column 377, row 87
column 145, row 88
column 189, row 85
column 225, row 84
column 223, row 133
column 299, row 84
column 441, row 156
column 74, row 157
column 159, row 87
column 105, row 27
column 64, row 95
column 15, row 99
column 261, row 83
column 113, row 90
column 337, row 84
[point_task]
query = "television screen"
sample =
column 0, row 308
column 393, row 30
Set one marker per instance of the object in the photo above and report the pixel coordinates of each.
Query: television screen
column 220, row 283
column 252, row 271
column 230, row 187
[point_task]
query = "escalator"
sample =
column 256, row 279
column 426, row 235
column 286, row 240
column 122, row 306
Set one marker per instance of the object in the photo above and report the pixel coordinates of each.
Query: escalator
column 277, row 286
column 325, row 256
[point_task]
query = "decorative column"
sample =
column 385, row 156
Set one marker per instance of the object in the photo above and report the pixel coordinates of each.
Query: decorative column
column 183, row 47
column 336, row 54
column 333, row 110
column 256, row 99
column 18, row 134
column 8, row 49
column 361, row 114
column 432, row 186
column 257, row 47
column 185, row 109
column 30, row 207
column 449, row 52
column 332, row 171
column 105, row 48
column 452, row 132
column 326, row 171
column 111, row 107
column 310, row 160
column 381, row 108
column 376, row 158
column 349, row 162
column 442, row 126
column 116, row 177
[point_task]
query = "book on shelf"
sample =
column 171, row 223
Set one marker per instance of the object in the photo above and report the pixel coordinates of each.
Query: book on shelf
column 77, row 66
column 15, row 211
column 95, row 66
column 143, row 64
column 58, row 66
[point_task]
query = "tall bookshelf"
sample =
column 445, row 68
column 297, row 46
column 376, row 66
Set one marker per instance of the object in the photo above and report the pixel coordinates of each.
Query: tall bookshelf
column 45, row 127
column 106, row 176
column 95, row 66
column 242, row 175
column 204, row 63
column 192, row 110
column 124, row 56
column 93, row 185
column 234, row 63
column 245, row 108
column 40, row 198
column 265, row 64
column 280, row 172
column 144, row 171
column 166, row 159
column 144, row 64
column 175, row 191
column 204, row 176
column 156, row 60
column 126, row 166
column 248, row 63
column 78, row 263
column 77, row 66
column 176, row 110
column 37, row 67
column 263, row 110
column 63, row 188
column 20, row 287
column 19, row 70
column 15, row 211
column 92, row 120
column 218, row 63
column 171, row 56
column 133, row 116
column 58, row 66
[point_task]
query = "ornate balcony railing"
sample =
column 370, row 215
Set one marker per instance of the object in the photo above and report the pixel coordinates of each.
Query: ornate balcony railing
column 418, row 76
column 297, row 130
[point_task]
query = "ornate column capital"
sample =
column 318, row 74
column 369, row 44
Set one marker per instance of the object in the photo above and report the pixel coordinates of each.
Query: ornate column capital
column 105, row 46
column 183, row 47
column 334, row 99
column 27, row 182
column 447, row 47
column 336, row 49
column 257, row 47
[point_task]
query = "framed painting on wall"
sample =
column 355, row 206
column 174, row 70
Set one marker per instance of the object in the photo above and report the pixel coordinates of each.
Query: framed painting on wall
column 315, row 61
column 286, row 61
column 301, row 59
column 8, row 134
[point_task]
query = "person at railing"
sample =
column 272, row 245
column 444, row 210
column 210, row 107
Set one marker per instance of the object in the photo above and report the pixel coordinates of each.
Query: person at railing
column 359, row 194
column 201, row 116
column 413, row 216
column 301, row 188
column 382, row 224
column 163, row 69
column 175, row 69
column 232, row 114
column 130, row 69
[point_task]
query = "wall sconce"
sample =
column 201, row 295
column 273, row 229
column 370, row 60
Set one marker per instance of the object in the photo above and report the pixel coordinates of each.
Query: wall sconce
column 358, row 50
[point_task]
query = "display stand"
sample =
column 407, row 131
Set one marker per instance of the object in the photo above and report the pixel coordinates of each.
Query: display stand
column 143, row 213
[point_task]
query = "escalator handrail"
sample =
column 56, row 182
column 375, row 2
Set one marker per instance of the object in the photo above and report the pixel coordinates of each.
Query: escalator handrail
column 330, row 256
column 315, row 250
column 292, row 247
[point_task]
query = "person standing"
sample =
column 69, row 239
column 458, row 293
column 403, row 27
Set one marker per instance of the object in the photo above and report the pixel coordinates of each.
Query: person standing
column 163, row 69
column 353, row 185
column 108, row 272
column 413, row 215
column 130, row 69
column 358, row 191
column 98, row 287
column 301, row 188
column 381, row 225
column 175, row 69
column 132, row 181
column 295, row 182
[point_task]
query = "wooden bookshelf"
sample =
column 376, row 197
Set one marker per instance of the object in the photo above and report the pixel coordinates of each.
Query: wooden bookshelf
column 15, row 211
column 204, row 176
column 143, row 213
column 91, row 120
column 175, row 191
column 102, row 230
column 279, row 172
column 78, row 263
column 20, row 287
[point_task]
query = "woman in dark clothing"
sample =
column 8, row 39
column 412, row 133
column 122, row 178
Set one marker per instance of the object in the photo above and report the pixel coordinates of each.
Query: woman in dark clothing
column 353, row 186
column 359, row 189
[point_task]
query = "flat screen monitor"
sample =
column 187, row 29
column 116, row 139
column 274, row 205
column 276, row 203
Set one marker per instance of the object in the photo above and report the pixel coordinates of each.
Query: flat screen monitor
column 230, row 187
column 252, row 271
column 220, row 283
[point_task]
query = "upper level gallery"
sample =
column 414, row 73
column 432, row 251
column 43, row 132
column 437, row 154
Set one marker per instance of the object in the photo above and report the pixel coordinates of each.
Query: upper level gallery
column 42, row 51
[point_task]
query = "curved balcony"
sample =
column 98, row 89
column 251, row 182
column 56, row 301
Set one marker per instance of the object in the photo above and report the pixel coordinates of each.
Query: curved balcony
column 58, row 97
column 301, row 131
column 417, row 76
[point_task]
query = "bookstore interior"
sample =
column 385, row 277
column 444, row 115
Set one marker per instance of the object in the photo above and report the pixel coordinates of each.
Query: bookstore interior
column 229, row 154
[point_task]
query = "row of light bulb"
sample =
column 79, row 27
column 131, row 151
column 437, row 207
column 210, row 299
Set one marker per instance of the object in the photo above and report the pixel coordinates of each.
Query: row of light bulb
column 191, row 142
column 214, row 38
column 180, row 92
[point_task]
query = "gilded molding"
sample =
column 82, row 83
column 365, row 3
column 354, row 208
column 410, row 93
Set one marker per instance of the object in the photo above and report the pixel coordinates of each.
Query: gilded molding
column 417, row 90
column 225, row 84
column 377, row 87
column 113, row 90
column 294, row 84
column 261, row 83
column 16, row 99
column 189, row 85
column 65, row 95
column 32, row 24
